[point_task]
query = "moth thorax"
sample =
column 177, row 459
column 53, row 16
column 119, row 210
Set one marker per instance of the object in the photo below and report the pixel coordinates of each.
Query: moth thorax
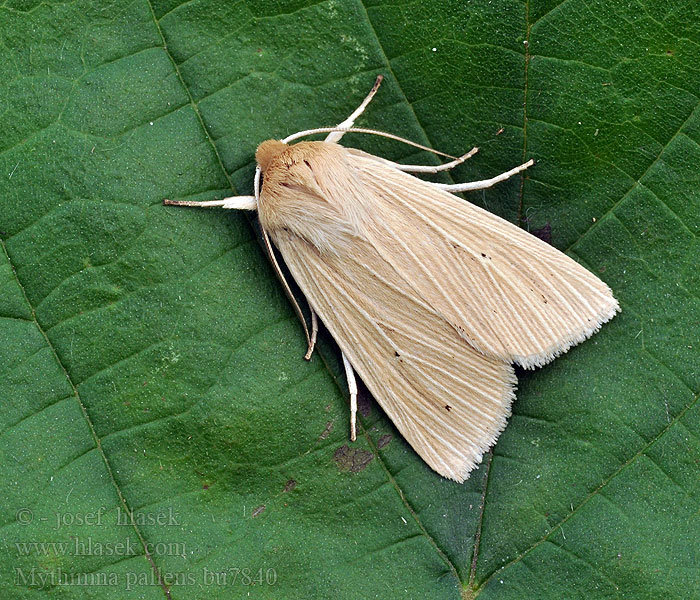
column 267, row 151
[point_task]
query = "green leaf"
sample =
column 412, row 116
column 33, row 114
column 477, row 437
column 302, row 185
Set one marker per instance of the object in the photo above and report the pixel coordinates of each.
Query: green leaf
column 151, row 363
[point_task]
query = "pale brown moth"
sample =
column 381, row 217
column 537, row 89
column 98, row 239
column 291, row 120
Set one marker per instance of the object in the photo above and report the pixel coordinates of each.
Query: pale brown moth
column 430, row 298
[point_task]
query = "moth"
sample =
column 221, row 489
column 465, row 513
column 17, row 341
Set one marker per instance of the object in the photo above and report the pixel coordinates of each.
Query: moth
column 430, row 298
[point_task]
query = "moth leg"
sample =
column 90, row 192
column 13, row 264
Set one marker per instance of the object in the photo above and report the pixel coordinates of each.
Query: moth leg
column 335, row 136
column 431, row 168
column 484, row 183
column 352, row 388
column 235, row 202
column 314, row 334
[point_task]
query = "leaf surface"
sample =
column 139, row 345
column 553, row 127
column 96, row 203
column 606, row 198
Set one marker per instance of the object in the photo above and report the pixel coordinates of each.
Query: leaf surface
column 151, row 363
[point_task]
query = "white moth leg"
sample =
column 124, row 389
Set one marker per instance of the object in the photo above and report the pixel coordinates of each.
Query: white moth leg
column 234, row 202
column 314, row 334
column 336, row 136
column 484, row 183
column 431, row 168
column 352, row 388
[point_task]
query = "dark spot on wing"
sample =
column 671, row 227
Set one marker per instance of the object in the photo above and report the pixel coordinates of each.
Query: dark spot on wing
column 448, row 408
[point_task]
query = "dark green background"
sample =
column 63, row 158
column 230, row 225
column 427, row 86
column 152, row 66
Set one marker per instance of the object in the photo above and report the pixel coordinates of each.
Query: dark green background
column 148, row 359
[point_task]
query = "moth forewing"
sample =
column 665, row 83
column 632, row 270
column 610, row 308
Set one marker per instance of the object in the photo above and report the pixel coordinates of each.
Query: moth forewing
column 449, row 401
column 510, row 295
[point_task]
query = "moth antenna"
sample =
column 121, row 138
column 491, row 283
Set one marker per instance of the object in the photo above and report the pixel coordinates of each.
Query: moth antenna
column 391, row 136
column 269, row 250
column 335, row 136
column 256, row 183
column 287, row 290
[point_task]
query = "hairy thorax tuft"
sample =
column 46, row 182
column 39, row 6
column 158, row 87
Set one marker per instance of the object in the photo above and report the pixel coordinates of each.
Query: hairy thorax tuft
column 309, row 192
column 268, row 151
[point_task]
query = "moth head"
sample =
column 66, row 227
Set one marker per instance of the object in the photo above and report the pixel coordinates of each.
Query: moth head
column 268, row 151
